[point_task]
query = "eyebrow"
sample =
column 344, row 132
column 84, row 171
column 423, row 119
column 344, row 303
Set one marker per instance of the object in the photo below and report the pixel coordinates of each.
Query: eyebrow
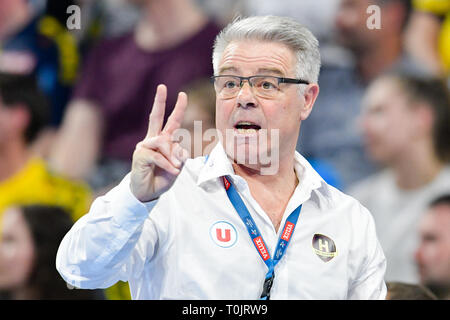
column 270, row 71
column 261, row 71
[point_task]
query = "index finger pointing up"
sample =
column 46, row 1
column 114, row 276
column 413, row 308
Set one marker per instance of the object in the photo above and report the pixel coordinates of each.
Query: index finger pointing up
column 156, row 118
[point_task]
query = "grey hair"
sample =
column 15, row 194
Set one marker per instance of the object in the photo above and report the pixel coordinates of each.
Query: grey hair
column 277, row 29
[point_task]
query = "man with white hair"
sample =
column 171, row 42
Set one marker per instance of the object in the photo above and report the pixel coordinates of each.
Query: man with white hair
column 253, row 220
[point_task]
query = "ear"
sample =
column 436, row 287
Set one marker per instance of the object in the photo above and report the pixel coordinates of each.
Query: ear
column 310, row 96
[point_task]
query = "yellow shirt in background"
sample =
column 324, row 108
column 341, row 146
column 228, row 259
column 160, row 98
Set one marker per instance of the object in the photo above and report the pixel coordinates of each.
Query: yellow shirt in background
column 35, row 184
column 440, row 8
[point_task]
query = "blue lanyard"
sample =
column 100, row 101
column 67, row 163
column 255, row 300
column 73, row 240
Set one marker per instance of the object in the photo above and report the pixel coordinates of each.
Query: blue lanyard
column 257, row 238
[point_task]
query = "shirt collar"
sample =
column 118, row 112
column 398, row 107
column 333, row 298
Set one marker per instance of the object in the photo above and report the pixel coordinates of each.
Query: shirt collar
column 218, row 164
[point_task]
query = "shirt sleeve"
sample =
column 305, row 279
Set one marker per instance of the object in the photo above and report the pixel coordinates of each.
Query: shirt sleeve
column 369, row 284
column 105, row 245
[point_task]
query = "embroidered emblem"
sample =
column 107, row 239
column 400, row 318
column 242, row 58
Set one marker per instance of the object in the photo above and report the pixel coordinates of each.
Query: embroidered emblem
column 324, row 247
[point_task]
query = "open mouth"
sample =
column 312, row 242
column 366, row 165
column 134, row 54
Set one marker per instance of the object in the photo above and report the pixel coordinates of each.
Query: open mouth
column 247, row 127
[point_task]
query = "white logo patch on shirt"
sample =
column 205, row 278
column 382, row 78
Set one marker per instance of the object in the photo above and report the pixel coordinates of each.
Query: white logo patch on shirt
column 223, row 234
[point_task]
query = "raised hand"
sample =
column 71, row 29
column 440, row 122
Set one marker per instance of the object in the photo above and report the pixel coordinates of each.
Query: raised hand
column 157, row 160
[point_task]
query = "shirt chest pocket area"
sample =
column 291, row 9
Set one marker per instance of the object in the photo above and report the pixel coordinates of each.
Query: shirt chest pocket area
column 320, row 269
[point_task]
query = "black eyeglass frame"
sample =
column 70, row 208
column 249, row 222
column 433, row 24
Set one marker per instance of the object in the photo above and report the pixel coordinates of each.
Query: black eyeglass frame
column 280, row 79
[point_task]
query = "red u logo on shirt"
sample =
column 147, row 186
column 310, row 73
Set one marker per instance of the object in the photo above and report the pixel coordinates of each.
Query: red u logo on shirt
column 220, row 237
column 223, row 234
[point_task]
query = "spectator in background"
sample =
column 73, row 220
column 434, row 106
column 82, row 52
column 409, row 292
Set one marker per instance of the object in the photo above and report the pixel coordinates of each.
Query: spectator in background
column 331, row 134
column 101, row 19
column 24, row 176
column 113, row 17
column 200, row 116
column 406, row 291
column 28, row 244
column 433, row 253
column 406, row 124
column 33, row 41
column 171, row 44
column 428, row 38
column 223, row 12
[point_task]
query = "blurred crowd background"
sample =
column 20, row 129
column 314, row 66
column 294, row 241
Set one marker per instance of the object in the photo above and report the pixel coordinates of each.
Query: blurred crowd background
column 74, row 103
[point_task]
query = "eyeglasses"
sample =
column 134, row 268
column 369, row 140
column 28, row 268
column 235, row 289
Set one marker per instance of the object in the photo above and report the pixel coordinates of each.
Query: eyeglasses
column 265, row 86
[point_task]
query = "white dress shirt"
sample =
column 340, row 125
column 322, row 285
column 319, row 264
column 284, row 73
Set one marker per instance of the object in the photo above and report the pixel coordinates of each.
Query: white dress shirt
column 192, row 244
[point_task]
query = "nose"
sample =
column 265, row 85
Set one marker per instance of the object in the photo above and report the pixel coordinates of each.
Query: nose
column 246, row 99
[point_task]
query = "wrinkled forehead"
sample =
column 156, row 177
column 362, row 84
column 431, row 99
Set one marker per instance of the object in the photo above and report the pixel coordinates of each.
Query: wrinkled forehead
column 250, row 57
